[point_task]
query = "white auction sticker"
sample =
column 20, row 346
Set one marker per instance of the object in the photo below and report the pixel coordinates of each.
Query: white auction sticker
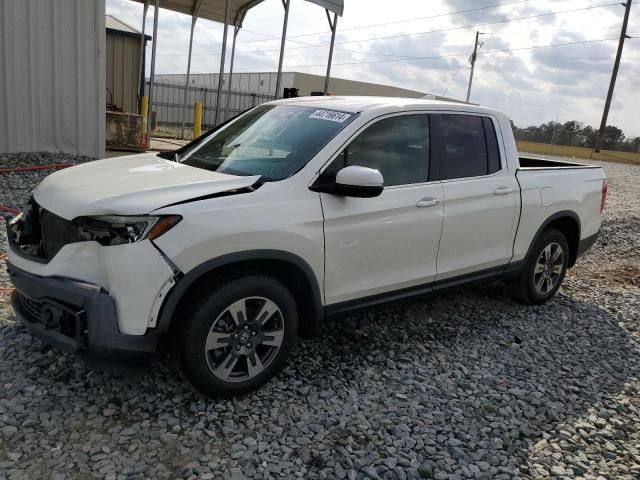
column 330, row 115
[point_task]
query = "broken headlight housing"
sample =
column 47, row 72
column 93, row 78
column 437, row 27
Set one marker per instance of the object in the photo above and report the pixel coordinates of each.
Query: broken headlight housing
column 122, row 229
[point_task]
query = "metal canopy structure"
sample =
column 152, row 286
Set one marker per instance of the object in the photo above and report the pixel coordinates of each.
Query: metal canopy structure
column 213, row 10
column 227, row 12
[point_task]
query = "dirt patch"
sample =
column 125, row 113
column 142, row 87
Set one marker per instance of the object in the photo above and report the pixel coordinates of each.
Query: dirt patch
column 624, row 274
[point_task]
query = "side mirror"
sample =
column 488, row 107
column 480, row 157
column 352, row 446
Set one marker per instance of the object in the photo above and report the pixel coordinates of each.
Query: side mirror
column 357, row 181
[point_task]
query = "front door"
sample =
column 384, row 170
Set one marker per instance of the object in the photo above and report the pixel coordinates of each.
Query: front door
column 390, row 242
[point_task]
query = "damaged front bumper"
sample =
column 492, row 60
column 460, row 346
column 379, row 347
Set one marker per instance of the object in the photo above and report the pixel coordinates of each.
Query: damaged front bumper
column 77, row 317
column 100, row 302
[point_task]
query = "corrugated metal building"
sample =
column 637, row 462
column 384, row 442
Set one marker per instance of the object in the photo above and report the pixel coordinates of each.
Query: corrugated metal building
column 52, row 76
column 123, row 64
column 264, row 83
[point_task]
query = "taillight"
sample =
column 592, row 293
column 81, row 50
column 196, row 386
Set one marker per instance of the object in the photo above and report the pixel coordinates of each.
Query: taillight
column 605, row 188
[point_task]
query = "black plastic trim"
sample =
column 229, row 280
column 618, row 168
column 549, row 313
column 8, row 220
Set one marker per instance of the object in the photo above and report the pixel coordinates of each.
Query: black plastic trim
column 104, row 342
column 182, row 286
column 545, row 224
column 359, row 191
column 586, row 243
column 425, row 290
column 533, row 163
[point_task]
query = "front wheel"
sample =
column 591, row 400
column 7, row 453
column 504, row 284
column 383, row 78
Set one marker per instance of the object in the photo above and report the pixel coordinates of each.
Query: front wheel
column 544, row 269
column 239, row 335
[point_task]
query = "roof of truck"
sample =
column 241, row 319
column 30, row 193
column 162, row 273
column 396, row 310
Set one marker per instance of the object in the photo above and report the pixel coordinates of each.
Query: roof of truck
column 360, row 104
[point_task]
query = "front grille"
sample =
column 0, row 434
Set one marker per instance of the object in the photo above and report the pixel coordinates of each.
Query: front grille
column 40, row 234
column 69, row 321
column 31, row 308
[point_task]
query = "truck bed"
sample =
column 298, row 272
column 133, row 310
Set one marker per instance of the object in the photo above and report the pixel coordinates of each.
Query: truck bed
column 529, row 163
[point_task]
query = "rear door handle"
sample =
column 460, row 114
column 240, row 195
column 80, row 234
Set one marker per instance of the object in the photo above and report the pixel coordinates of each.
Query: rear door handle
column 503, row 191
column 428, row 202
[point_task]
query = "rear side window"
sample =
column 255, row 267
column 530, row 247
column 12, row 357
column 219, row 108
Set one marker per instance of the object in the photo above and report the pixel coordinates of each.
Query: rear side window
column 467, row 146
column 492, row 145
column 398, row 147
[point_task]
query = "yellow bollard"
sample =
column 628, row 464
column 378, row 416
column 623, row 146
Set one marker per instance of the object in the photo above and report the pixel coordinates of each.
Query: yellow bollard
column 144, row 107
column 197, row 119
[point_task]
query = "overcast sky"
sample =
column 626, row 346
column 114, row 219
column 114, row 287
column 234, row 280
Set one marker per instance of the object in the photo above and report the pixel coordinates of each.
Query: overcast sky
column 376, row 38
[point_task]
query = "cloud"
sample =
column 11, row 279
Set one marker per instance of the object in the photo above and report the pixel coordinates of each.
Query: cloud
column 533, row 85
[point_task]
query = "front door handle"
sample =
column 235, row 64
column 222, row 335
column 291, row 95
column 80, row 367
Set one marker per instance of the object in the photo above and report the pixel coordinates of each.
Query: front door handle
column 503, row 191
column 428, row 202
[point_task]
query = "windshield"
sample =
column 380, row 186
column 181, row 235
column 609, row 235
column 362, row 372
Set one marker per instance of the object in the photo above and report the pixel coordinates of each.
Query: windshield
column 274, row 141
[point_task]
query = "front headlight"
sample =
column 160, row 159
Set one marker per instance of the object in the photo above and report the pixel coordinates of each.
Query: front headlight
column 121, row 229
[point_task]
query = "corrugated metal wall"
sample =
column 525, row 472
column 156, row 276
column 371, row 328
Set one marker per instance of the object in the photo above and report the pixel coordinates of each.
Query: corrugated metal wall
column 52, row 76
column 123, row 61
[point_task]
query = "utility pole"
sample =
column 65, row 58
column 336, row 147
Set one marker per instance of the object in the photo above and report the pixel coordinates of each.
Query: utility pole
column 614, row 74
column 473, row 64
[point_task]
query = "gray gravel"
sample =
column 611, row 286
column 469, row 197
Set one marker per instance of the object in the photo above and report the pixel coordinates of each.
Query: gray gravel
column 466, row 385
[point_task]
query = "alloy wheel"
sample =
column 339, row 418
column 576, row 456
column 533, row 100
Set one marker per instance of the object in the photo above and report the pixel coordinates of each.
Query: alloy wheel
column 548, row 268
column 244, row 339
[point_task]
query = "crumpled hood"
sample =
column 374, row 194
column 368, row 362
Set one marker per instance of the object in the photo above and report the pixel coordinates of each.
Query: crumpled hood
column 131, row 185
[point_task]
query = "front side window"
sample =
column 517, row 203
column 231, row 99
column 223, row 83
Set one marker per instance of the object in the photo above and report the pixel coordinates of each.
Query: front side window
column 398, row 147
column 274, row 141
column 468, row 146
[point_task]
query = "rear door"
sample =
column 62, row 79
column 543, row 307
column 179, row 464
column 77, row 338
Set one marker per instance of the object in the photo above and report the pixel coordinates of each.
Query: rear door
column 390, row 242
column 480, row 194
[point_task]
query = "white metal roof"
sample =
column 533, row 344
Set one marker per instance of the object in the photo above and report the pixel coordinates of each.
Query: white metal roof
column 115, row 24
column 214, row 9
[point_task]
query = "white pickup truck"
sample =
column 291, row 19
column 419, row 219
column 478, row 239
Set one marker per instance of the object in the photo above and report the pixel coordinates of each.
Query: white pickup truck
column 295, row 211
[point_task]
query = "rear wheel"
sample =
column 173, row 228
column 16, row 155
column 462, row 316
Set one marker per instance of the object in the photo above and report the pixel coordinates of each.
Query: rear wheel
column 544, row 269
column 239, row 335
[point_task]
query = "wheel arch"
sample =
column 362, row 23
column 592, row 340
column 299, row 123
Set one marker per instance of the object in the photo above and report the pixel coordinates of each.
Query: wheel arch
column 293, row 271
column 567, row 222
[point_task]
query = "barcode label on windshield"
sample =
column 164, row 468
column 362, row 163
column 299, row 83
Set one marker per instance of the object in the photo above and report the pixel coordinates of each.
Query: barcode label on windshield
column 330, row 115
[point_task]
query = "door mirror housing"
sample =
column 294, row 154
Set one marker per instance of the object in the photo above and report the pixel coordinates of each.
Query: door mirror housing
column 355, row 181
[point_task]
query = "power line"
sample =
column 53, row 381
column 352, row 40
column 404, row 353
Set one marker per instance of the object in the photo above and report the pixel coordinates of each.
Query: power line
column 497, row 22
column 421, row 33
column 253, row 70
column 434, row 57
column 521, row 32
column 444, row 14
column 452, row 79
column 486, row 52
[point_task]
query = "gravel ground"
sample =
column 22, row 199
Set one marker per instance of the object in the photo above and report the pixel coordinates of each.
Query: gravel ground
column 466, row 385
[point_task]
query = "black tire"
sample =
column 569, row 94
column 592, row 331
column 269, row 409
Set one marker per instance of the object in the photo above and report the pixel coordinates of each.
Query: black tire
column 525, row 287
column 214, row 310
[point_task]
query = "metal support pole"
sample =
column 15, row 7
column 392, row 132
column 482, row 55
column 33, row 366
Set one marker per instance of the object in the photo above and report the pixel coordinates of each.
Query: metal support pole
column 333, row 38
column 153, row 69
column 224, row 50
column 194, row 17
column 614, row 75
column 473, row 64
column 186, row 83
column 285, row 3
column 142, row 54
column 236, row 29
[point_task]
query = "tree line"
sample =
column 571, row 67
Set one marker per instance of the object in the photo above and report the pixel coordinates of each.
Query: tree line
column 574, row 133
